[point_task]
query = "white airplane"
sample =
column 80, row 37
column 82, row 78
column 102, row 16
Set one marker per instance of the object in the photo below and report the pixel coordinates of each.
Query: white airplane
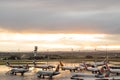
column 95, row 64
column 15, row 66
column 44, row 67
column 48, row 73
column 99, row 75
column 19, row 70
column 99, row 63
column 70, row 68
column 114, row 67
column 88, row 64
column 102, row 62
column 116, row 71
column 94, row 70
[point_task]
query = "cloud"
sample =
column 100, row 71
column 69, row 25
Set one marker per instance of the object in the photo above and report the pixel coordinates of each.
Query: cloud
column 60, row 16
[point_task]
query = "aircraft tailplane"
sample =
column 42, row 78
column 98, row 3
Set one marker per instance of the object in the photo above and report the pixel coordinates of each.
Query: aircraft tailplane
column 7, row 63
column 34, row 63
column 27, row 66
column 102, row 70
column 57, row 69
column 107, row 66
column 61, row 64
column 85, row 65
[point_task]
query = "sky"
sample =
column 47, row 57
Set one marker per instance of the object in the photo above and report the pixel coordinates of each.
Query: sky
column 59, row 25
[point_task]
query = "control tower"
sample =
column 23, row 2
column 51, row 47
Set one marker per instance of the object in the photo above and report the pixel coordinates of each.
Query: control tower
column 35, row 51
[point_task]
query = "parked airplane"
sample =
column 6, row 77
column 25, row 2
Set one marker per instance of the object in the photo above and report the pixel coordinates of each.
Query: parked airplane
column 114, row 67
column 44, row 67
column 116, row 71
column 102, row 62
column 88, row 64
column 94, row 70
column 16, row 66
column 70, row 68
column 99, row 75
column 95, row 64
column 19, row 70
column 48, row 73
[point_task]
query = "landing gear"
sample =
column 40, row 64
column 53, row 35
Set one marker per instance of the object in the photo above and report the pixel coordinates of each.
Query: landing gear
column 94, row 72
column 63, row 69
column 22, row 73
column 39, row 76
column 74, row 70
column 50, row 77
column 43, row 76
column 117, row 74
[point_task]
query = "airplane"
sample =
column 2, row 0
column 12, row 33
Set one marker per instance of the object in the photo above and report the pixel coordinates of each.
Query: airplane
column 44, row 67
column 102, row 62
column 19, row 70
column 15, row 66
column 70, row 68
column 88, row 64
column 95, row 64
column 48, row 73
column 114, row 67
column 93, row 69
column 113, row 70
column 98, row 75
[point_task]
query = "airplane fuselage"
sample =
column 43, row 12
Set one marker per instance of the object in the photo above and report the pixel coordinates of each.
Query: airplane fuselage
column 44, row 66
column 47, row 73
column 71, row 68
column 117, row 71
column 18, row 70
column 86, row 75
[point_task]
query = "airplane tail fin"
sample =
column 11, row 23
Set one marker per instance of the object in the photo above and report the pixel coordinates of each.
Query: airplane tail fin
column 57, row 68
column 107, row 67
column 107, row 74
column 106, row 60
column 27, row 66
column 102, row 70
column 61, row 64
column 8, row 64
column 85, row 65
column 34, row 63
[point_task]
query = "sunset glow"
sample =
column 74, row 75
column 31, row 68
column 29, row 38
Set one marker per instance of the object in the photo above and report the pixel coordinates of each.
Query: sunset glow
column 50, row 37
column 61, row 42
